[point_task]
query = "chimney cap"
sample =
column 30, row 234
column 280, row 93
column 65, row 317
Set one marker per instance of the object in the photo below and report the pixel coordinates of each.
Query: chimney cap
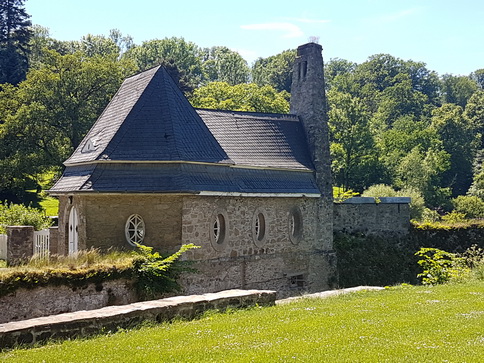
column 309, row 47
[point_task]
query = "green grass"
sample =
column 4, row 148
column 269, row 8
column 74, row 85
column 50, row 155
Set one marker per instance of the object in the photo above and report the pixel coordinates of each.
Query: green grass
column 50, row 206
column 406, row 324
column 3, row 263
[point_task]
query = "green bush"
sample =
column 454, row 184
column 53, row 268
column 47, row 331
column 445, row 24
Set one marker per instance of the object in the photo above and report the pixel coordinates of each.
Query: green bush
column 471, row 206
column 454, row 217
column 340, row 195
column 157, row 274
column 440, row 266
column 20, row 215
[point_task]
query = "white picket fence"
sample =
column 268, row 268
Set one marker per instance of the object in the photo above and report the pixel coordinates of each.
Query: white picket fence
column 3, row 246
column 41, row 243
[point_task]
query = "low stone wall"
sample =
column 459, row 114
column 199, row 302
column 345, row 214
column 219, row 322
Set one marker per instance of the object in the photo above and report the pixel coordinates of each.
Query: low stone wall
column 83, row 323
column 373, row 216
column 48, row 300
column 20, row 243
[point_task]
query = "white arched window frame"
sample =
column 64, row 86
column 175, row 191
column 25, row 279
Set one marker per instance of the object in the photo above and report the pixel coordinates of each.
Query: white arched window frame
column 135, row 229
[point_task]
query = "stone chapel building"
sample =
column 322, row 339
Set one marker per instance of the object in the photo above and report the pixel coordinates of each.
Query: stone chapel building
column 252, row 189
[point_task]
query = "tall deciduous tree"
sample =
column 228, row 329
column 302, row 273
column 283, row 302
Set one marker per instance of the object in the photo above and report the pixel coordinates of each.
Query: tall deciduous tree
column 47, row 115
column 220, row 64
column 352, row 147
column 275, row 71
column 478, row 77
column 457, row 89
column 459, row 140
column 15, row 34
column 186, row 55
column 241, row 97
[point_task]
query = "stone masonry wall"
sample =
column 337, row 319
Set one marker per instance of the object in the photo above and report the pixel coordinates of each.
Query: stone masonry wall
column 20, row 243
column 102, row 220
column 279, row 262
column 31, row 303
column 365, row 215
column 112, row 318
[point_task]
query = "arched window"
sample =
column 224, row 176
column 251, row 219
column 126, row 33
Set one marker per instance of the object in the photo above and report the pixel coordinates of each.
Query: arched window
column 134, row 229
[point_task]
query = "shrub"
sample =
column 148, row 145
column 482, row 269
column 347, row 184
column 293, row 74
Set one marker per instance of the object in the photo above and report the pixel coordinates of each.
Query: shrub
column 430, row 216
column 474, row 259
column 454, row 217
column 440, row 266
column 340, row 195
column 470, row 205
column 20, row 215
column 157, row 274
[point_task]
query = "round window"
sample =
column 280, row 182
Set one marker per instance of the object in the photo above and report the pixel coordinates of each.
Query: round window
column 259, row 227
column 135, row 229
column 218, row 230
column 295, row 224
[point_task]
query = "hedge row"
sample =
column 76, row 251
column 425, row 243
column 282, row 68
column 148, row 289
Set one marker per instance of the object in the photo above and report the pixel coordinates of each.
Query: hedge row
column 389, row 260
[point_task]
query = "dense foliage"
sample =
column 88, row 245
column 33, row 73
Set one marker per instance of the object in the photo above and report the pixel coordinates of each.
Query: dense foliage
column 20, row 215
column 391, row 121
column 15, row 34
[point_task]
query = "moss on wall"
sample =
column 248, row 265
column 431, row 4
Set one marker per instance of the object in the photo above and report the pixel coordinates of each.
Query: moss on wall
column 390, row 259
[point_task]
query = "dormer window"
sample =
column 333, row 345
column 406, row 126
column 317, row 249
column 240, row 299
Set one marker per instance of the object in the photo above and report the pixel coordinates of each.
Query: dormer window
column 91, row 145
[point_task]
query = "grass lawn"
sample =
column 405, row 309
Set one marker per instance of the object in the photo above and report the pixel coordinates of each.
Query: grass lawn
column 50, row 205
column 404, row 324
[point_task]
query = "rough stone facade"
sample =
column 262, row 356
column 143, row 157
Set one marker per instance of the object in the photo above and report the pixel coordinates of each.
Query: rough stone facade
column 20, row 244
column 32, row 303
column 278, row 262
column 259, row 233
column 385, row 216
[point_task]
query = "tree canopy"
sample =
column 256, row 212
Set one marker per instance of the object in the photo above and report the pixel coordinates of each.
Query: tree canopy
column 15, row 34
column 392, row 121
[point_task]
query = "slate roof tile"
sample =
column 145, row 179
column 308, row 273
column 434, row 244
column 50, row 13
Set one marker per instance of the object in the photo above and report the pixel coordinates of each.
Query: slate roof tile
column 184, row 178
column 142, row 139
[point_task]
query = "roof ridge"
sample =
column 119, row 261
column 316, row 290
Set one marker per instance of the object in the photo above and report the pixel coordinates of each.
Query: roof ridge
column 242, row 113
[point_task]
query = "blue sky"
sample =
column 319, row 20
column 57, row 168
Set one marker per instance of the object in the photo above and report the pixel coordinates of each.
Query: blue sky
column 447, row 35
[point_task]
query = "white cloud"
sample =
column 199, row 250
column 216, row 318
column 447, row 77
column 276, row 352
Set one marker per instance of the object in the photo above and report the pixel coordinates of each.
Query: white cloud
column 290, row 30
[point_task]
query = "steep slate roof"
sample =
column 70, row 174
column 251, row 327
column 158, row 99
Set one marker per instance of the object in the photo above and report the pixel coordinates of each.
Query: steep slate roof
column 149, row 119
column 150, row 139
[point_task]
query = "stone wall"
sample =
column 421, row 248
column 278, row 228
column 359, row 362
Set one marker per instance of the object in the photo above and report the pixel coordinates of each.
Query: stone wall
column 84, row 323
column 31, row 303
column 370, row 216
column 102, row 220
column 20, row 243
column 278, row 262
